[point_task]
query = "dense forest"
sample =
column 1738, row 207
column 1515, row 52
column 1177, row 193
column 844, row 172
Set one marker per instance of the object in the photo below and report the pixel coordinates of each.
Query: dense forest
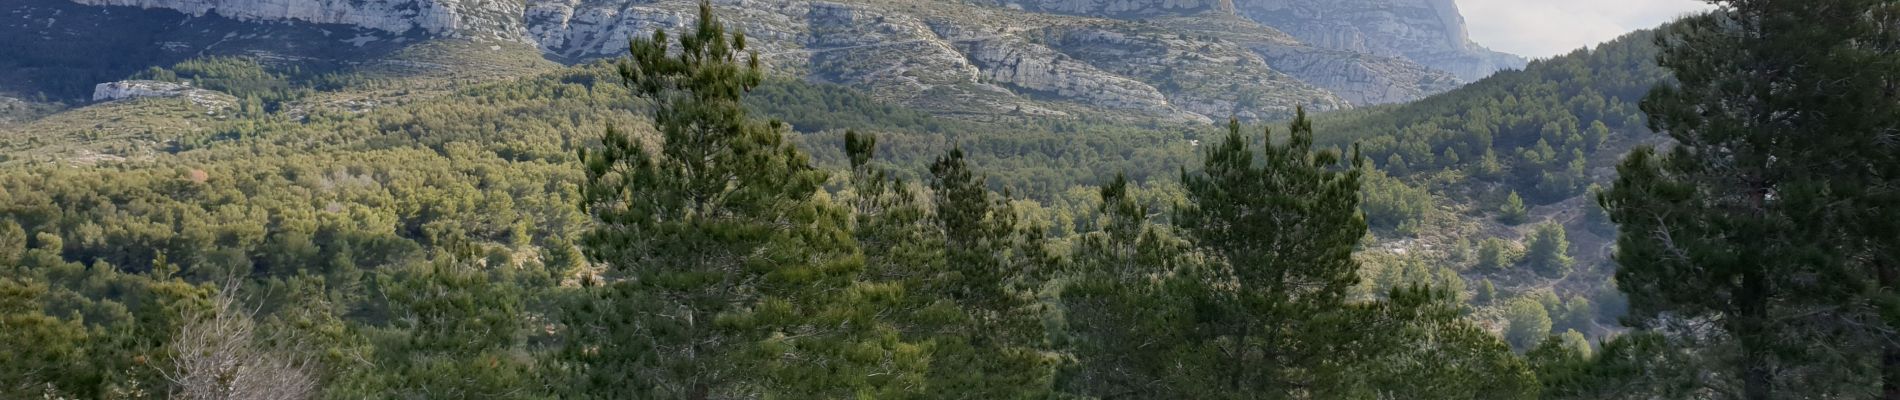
column 679, row 225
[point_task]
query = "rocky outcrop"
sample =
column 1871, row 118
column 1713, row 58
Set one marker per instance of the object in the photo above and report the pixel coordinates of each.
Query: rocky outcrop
column 1360, row 78
column 1214, row 79
column 574, row 30
column 477, row 19
column 1172, row 60
column 14, row 110
column 1122, row 8
column 1357, row 78
column 134, row 89
column 1429, row 32
column 1044, row 71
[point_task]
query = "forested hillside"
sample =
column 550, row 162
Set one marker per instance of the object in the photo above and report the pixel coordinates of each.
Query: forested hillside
column 685, row 225
column 362, row 244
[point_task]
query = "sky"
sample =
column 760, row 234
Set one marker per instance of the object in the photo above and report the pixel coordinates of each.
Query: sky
column 1544, row 28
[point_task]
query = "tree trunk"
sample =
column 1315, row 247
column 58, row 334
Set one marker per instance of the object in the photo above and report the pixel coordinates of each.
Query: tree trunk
column 1890, row 371
column 1756, row 380
column 1890, row 351
column 1757, row 377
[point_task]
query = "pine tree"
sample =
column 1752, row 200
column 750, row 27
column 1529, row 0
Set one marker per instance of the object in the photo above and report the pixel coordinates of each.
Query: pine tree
column 1280, row 225
column 1529, row 323
column 463, row 331
column 12, row 243
column 1487, row 292
column 1416, row 343
column 1783, row 112
column 1578, row 313
column 1513, row 211
column 45, row 355
column 1496, row 254
column 1636, row 365
column 904, row 256
column 1489, row 167
column 992, row 265
column 1125, row 314
column 1548, row 251
column 729, row 275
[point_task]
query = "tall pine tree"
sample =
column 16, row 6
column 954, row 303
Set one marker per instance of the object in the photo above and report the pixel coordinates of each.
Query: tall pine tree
column 992, row 266
column 730, row 276
column 1124, row 309
column 1771, row 220
column 1279, row 226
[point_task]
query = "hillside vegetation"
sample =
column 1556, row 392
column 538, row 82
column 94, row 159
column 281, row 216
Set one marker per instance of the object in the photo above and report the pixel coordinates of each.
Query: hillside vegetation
column 501, row 227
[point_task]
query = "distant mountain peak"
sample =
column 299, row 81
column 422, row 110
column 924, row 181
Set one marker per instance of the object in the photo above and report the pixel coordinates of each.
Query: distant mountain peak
column 1430, row 32
column 1165, row 60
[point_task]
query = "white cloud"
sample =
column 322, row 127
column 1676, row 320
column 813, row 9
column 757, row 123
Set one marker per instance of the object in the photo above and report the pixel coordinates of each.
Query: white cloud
column 1544, row 28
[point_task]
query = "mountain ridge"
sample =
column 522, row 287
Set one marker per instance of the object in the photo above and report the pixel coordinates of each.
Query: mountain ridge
column 1164, row 60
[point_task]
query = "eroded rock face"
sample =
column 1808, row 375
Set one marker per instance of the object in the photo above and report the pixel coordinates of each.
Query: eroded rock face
column 1429, row 32
column 1042, row 70
column 1123, row 8
column 133, row 89
column 1360, row 78
column 13, row 110
column 479, row 19
column 1173, row 60
column 935, row 61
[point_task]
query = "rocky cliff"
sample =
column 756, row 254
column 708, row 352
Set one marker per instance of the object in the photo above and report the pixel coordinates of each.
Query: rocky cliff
column 123, row 90
column 477, row 19
column 1122, row 8
column 1429, row 32
column 1175, row 60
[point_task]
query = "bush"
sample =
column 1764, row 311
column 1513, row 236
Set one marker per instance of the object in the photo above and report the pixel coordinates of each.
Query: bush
column 1391, row 204
column 1513, row 211
column 1548, row 251
column 1528, row 322
column 1497, row 254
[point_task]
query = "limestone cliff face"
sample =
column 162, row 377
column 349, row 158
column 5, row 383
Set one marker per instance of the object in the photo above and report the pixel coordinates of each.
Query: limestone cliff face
column 1360, row 78
column 123, row 90
column 1122, row 8
column 1430, row 32
column 1427, row 32
column 956, row 60
column 479, row 19
column 1172, row 60
column 1038, row 69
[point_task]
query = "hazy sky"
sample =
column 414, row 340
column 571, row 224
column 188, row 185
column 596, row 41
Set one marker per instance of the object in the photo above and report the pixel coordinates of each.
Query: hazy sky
column 1543, row 28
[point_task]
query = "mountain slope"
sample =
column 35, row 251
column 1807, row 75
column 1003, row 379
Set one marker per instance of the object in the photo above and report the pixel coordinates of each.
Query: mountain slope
column 1547, row 134
column 1164, row 60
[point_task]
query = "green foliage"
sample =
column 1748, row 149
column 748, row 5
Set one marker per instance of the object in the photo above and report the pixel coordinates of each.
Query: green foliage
column 1547, row 251
column 1574, row 343
column 1392, row 204
column 1241, row 212
column 1416, row 343
column 730, row 275
column 1780, row 109
column 46, row 354
column 428, row 246
column 1512, row 211
column 461, row 333
column 1487, row 292
column 1528, row 323
column 261, row 88
column 1497, row 254
column 1123, row 313
column 1525, row 129
column 1578, row 314
column 992, row 265
column 1641, row 365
